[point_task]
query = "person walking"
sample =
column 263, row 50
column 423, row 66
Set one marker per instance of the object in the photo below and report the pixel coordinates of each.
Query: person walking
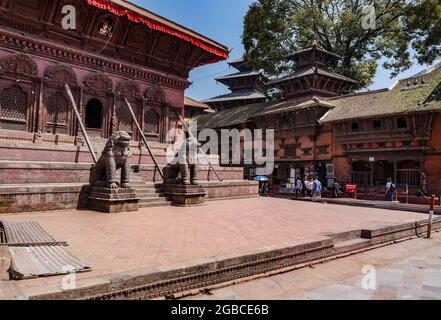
column 390, row 190
column 299, row 187
column 337, row 189
column 265, row 190
column 308, row 187
column 317, row 188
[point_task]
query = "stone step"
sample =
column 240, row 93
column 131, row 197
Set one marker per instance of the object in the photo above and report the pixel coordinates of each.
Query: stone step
column 150, row 196
column 147, row 190
column 154, row 200
column 141, row 185
column 155, row 204
column 149, row 193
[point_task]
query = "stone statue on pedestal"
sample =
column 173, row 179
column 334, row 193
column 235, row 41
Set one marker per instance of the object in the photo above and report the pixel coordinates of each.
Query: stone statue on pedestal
column 106, row 193
column 186, row 166
column 180, row 179
column 116, row 155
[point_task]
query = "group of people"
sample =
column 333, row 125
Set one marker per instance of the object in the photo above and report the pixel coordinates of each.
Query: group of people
column 308, row 187
column 312, row 187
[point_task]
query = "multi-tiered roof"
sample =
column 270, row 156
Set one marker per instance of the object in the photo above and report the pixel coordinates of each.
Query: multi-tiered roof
column 312, row 76
column 245, row 87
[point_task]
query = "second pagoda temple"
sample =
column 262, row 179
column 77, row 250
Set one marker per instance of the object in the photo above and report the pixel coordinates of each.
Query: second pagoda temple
column 245, row 86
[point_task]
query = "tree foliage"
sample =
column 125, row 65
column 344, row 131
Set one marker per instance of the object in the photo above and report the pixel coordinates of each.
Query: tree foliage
column 275, row 28
column 423, row 20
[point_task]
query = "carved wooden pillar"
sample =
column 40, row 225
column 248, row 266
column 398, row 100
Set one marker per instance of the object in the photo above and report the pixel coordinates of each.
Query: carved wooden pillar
column 113, row 126
column 395, row 172
column 108, row 112
column 78, row 132
column 34, row 101
column 139, row 110
column 40, row 110
column 165, row 113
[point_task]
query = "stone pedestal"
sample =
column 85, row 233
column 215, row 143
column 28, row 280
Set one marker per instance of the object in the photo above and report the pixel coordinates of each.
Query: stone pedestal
column 112, row 200
column 185, row 196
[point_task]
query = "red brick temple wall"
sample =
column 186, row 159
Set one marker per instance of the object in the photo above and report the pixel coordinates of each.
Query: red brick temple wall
column 432, row 164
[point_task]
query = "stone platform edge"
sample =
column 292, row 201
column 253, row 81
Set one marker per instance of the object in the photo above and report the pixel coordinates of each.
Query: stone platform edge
column 53, row 197
column 421, row 208
column 204, row 273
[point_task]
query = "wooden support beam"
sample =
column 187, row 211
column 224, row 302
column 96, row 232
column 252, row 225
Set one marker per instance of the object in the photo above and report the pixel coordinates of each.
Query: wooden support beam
column 80, row 122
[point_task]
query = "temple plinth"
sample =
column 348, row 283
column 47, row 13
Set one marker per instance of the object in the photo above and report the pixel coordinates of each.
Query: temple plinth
column 112, row 200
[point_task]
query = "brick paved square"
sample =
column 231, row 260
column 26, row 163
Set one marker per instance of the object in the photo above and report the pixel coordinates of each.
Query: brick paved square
column 163, row 238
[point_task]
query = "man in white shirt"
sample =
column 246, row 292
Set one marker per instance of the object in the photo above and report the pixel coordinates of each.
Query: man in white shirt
column 390, row 190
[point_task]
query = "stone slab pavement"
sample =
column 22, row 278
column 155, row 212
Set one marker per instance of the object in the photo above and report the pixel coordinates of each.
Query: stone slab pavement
column 409, row 270
column 157, row 239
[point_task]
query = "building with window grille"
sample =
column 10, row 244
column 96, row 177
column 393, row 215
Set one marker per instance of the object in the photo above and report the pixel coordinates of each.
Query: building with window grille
column 363, row 138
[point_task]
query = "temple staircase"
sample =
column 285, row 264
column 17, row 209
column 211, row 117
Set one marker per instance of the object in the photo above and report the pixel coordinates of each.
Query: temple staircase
column 150, row 194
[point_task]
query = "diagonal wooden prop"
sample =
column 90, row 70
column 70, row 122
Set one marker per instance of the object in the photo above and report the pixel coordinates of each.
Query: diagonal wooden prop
column 80, row 122
column 144, row 139
column 201, row 151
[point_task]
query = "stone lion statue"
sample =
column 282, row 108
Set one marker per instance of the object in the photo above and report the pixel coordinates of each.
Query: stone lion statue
column 116, row 155
column 186, row 166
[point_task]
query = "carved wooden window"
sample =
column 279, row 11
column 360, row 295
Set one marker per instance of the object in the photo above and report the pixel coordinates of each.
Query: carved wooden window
column 307, row 151
column 123, row 118
column 57, row 113
column 377, row 125
column 323, row 149
column 290, row 150
column 401, row 123
column 284, row 122
column 174, row 119
column 355, row 127
column 13, row 108
column 151, row 122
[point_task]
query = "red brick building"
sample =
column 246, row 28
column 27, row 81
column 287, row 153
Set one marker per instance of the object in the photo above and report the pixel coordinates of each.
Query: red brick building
column 363, row 138
column 389, row 133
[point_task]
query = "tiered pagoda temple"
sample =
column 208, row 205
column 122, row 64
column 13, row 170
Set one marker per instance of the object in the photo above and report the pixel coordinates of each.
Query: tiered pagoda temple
column 301, row 147
column 245, row 86
column 311, row 76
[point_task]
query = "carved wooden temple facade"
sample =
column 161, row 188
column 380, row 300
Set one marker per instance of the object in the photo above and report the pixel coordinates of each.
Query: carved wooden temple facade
column 116, row 50
column 143, row 56
column 321, row 129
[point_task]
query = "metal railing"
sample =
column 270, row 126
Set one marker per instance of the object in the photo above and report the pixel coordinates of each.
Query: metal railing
column 410, row 177
column 361, row 178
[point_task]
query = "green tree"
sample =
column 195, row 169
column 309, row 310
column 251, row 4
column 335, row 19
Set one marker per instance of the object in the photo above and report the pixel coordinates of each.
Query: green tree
column 423, row 19
column 349, row 28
